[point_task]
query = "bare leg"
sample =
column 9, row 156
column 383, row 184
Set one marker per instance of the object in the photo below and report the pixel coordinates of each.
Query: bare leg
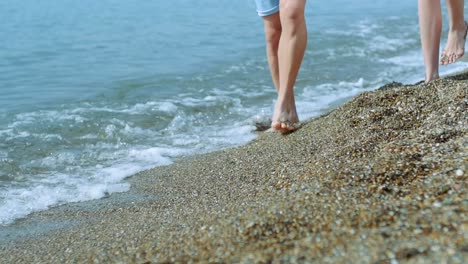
column 455, row 47
column 430, row 24
column 272, row 27
column 291, row 50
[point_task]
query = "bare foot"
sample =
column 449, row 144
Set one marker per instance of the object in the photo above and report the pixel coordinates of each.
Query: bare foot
column 285, row 118
column 455, row 47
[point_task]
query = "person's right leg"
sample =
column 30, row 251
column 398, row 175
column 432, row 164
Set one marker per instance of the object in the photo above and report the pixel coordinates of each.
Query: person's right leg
column 291, row 51
column 455, row 47
column 430, row 24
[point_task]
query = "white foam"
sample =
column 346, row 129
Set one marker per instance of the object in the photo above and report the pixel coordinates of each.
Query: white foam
column 6, row 132
column 366, row 27
column 381, row 43
column 50, row 115
column 19, row 202
column 73, row 173
column 236, row 91
column 110, row 130
column 239, row 133
column 91, row 183
column 178, row 122
column 409, row 59
column 454, row 68
column 362, row 29
column 48, row 137
column 168, row 107
column 136, row 131
column 316, row 99
column 136, row 109
column 162, row 155
column 53, row 161
column 235, row 68
column 88, row 136
column 141, row 108
column 189, row 101
column 185, row 141
column 20, row 134
column 409, row 67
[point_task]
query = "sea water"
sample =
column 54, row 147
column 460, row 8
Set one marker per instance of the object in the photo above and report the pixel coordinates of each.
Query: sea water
column 92, row 92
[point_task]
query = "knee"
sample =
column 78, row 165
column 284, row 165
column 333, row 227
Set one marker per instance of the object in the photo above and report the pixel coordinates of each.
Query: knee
column 292, row 12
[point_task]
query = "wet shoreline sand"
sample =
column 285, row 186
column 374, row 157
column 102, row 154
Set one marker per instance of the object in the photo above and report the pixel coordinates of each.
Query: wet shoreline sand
column 381, row 178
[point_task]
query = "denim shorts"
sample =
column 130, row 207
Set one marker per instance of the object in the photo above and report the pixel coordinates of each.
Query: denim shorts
column 267, row 7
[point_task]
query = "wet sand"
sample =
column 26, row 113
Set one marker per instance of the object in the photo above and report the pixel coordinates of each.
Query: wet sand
column 380, row 179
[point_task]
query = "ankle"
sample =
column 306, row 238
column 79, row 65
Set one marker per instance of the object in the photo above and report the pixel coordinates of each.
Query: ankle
column 432, row 77
column 286, row 97
column 459, row 27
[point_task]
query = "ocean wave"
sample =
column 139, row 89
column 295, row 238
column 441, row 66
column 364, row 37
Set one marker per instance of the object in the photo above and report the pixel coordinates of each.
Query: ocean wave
column 86, row 183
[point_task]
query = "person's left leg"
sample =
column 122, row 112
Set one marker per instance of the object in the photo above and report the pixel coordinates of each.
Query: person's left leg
column 272, row 26
column 430, row 24
column 455, row 47
column 291, row 51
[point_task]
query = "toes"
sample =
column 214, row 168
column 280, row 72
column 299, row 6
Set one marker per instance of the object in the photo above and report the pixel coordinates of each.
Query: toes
column 450, row 59
column 447, row 59
column 454, row 58
column 289, row 127
column 443, row 58
column 276, row 125
column 283, row 124
column 282, row 127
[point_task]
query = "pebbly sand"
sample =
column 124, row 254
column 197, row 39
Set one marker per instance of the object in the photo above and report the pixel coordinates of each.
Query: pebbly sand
column 380, row 179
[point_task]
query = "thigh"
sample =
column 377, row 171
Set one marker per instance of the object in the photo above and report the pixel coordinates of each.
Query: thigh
column 267, row 7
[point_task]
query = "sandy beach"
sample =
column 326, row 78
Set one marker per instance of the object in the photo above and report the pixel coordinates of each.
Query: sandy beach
column 380, row 179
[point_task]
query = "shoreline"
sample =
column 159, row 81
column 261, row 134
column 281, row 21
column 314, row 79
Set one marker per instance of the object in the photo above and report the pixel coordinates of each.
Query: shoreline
column 22, row 210
column 345, row 183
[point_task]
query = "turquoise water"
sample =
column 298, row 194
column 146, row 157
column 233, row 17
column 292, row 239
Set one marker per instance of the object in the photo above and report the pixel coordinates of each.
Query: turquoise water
column 92, row 92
